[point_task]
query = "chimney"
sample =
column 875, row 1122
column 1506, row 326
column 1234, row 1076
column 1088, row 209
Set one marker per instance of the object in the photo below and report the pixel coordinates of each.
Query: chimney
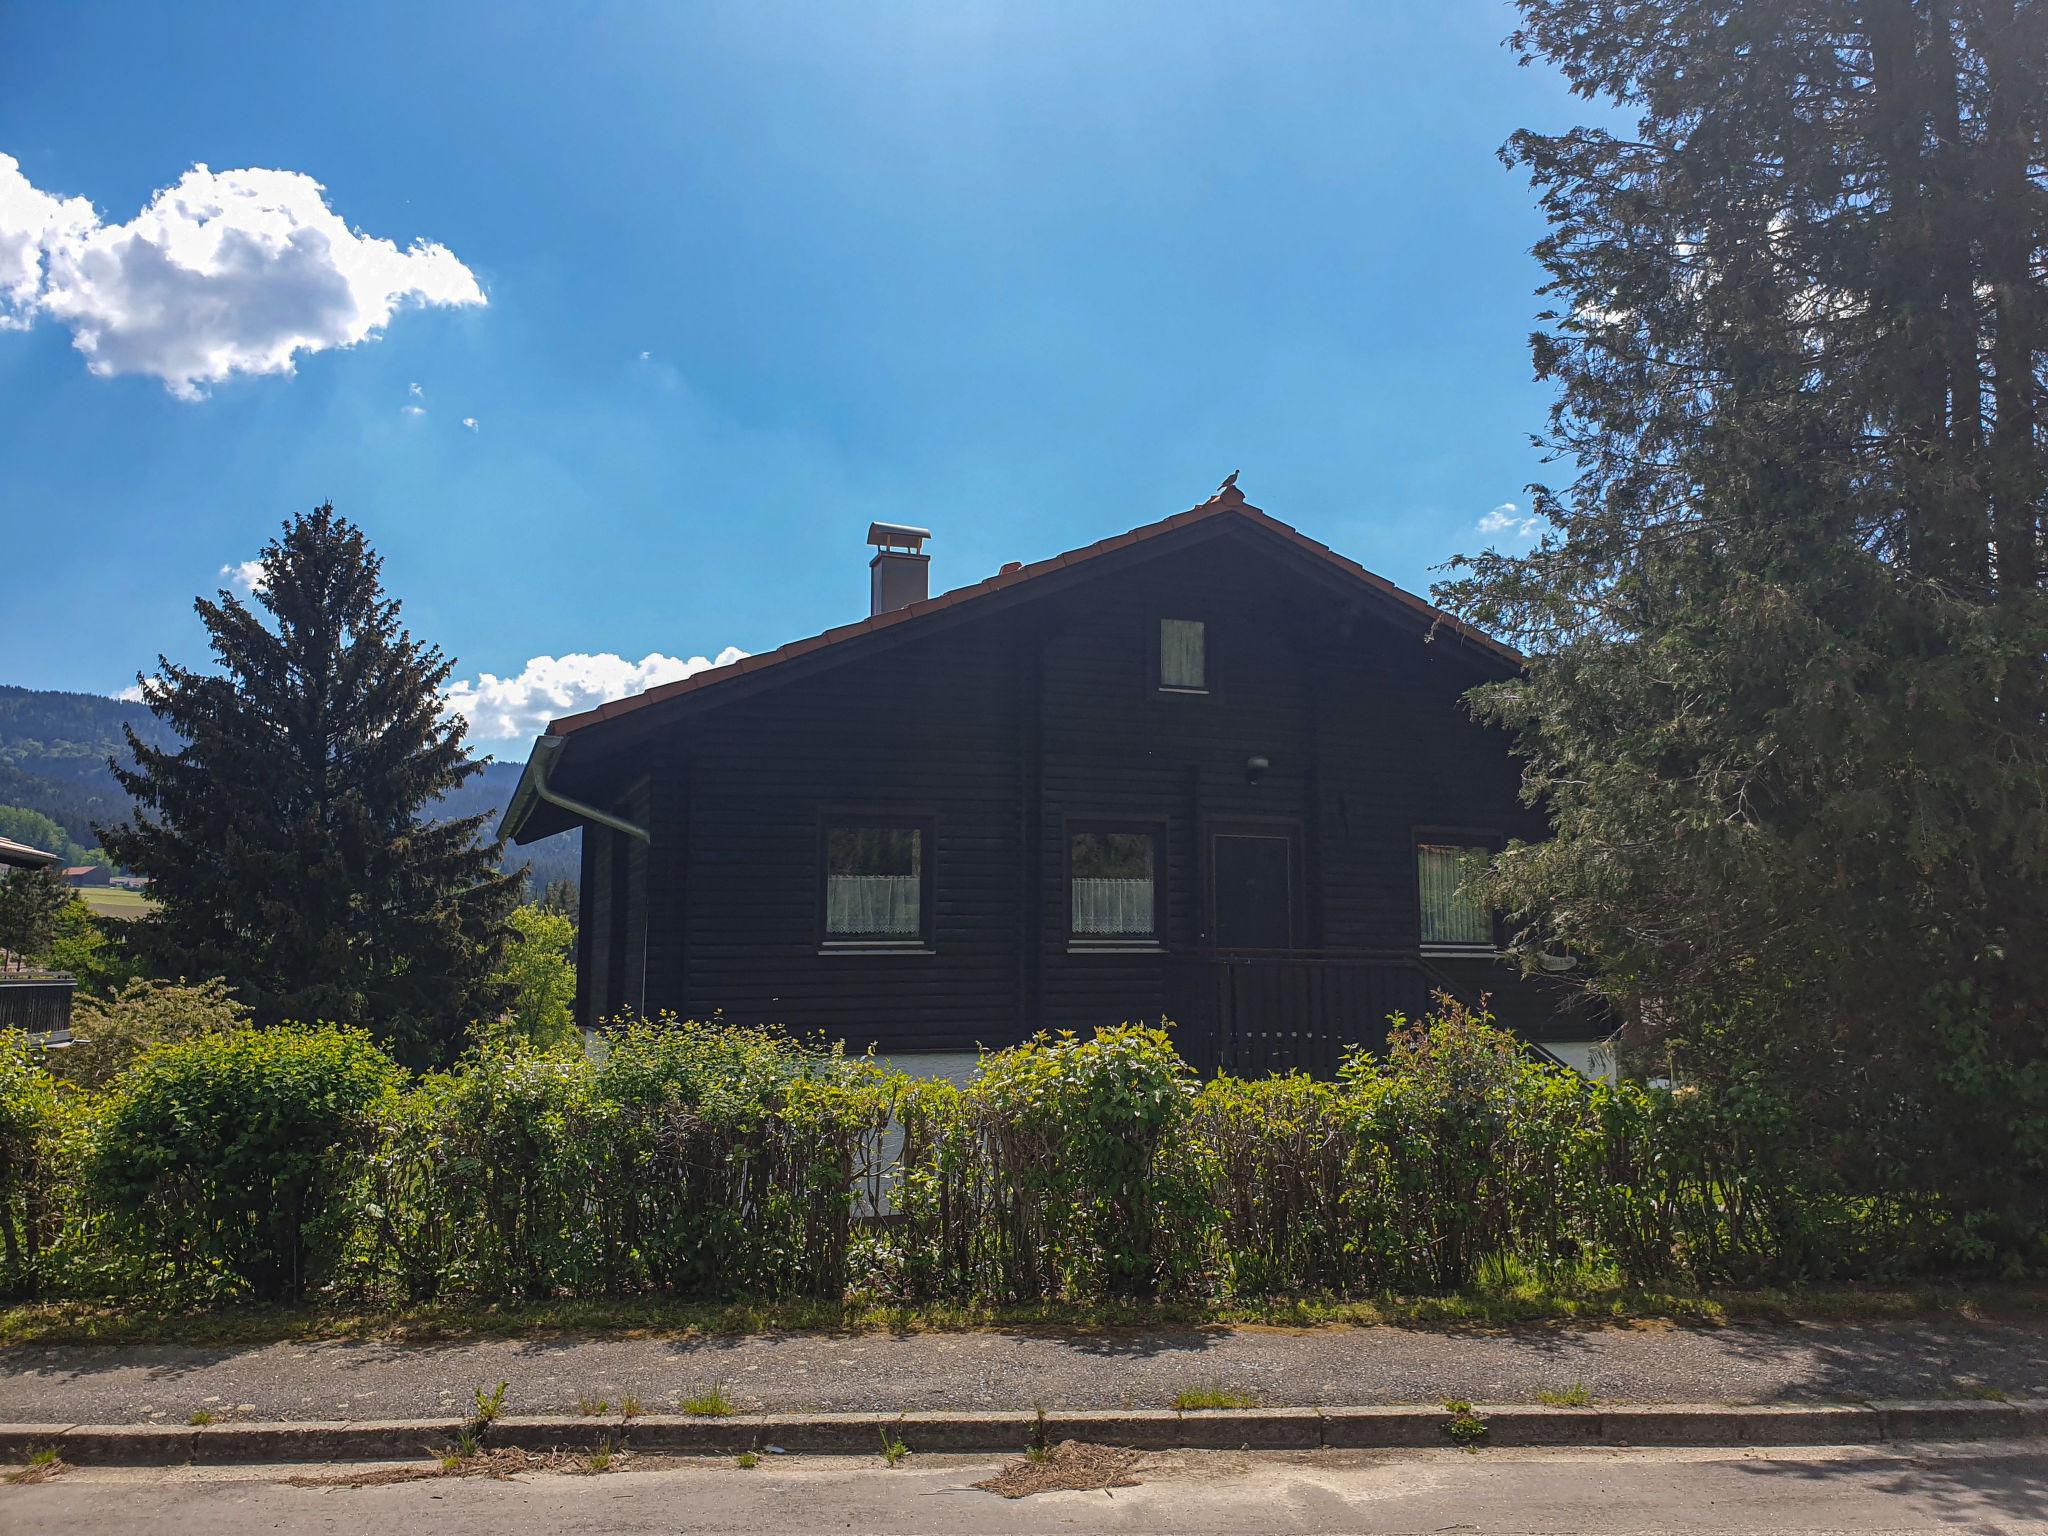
column 900, row 573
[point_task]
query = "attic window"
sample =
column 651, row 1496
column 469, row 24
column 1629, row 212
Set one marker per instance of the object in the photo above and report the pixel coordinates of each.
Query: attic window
column 1183, row 655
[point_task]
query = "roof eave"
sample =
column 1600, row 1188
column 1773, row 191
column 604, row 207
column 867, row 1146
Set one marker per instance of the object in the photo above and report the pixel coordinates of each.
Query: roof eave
column 1220, row 513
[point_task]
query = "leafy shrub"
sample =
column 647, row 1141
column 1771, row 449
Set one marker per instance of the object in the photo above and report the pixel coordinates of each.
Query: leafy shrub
column 539, row 975
column 224, row 1160
column 740, row 1151
column 410, row 1225
column 1465, row 1153
column 938, row 1242
column 707, row 1160
column 84, row 945
column 490, row 1176
column 1070, row 1164
column 34, row 1187
column 110, row 1033
column 1284, row 1151
column 1456, row 1150
column 31, row 901
column 697, row 1159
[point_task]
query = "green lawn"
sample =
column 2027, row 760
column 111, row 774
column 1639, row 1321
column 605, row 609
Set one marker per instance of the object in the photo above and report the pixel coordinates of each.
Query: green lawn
column 112, row 901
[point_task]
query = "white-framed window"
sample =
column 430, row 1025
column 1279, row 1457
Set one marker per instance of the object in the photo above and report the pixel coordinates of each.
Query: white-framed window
column 1113, row 885
column 1451, row 918
column 1184, row 655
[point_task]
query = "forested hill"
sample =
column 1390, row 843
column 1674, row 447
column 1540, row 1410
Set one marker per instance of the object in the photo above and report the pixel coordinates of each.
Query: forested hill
column 53, row 755
column 54, row 748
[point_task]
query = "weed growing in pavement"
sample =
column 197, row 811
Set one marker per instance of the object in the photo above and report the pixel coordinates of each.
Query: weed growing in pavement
column 488, row 1405
column 712, row 1404
column 464, row 1449
column 893, row 1449
column 630, row 1407
column 201, row 1417
column 42, row 1465
column 1573, row 1396
column 746, row 1461
column 1465, row 1428
column 1214, row 1397
column 592, row 1407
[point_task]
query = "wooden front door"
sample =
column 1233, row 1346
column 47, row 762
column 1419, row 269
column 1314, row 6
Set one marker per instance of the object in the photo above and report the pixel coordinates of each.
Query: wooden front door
column 1252, row 882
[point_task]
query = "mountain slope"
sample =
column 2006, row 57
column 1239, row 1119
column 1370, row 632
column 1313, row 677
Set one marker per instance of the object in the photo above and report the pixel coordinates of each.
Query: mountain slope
column 54, row 748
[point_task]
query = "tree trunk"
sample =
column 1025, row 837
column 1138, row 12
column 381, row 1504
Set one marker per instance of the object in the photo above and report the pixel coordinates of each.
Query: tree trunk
column 1953, row 216
column 2011, row 44
column 1904, row 286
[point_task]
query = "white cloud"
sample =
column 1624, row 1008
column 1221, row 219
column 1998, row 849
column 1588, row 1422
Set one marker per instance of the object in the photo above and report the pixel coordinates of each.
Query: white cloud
column 248, row 575
column 132, row 694
column 31, row 222
column 414, row 390
column 1508, row 520
column 646, row 357
column 469, row 422
column 226, row 272
column 414, row 410
column 549, row 687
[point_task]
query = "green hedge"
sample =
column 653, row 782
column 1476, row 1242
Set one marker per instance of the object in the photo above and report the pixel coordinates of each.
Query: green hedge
column 232, row 1158
column 711, row 1161
column 37, row 1148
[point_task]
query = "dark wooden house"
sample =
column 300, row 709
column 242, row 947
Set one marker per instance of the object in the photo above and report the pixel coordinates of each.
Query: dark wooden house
column 1207, row 770
column 34, row 1000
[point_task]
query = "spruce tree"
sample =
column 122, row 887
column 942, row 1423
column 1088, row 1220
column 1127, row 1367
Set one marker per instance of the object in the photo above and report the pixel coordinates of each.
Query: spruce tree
column 286, row 840
column 32, row 903
column 1786, row 695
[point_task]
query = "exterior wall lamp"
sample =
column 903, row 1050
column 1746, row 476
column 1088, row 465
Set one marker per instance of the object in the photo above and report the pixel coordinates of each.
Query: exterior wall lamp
column 1255, row 768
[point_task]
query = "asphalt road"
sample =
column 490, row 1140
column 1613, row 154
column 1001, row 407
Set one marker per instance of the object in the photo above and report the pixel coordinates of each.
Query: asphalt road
column 1012, row 1370
column 1992, row 1489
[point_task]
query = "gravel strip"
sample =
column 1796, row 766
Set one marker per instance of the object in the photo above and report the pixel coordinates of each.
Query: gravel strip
column 1007, row 1370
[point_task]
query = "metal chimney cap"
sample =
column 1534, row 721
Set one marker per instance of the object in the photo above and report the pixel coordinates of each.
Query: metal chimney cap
column 897, row 536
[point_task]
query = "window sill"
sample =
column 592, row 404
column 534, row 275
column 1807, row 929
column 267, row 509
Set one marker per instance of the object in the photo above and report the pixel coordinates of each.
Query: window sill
column 875, row 947
column 1193, row 693
column 1461, row 951
column 1115, row 947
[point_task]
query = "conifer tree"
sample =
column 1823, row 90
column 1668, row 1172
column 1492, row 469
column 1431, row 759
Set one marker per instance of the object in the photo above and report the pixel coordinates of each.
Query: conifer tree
column 1786, row 696
column 286, row 841
column 32, row 903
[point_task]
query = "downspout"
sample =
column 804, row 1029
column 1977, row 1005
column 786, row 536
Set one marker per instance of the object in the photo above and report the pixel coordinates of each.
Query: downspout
column 533, row 785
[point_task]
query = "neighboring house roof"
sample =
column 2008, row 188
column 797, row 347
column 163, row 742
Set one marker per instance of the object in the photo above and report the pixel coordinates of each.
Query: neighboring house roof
column 1227, row 508
column 21, row 856
column 73, row 871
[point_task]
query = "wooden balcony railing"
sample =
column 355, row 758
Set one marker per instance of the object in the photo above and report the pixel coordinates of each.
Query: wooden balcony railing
column 1256, row 1012
column 39, row 1004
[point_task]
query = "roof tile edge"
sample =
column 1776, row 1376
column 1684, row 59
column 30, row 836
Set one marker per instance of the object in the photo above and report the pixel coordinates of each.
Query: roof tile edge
column 1230, row 499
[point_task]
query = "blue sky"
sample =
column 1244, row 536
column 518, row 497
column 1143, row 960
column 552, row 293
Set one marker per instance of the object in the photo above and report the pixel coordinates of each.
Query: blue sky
column 753, row 275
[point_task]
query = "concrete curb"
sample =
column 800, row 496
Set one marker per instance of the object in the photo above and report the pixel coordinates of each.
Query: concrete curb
column 860, row 1434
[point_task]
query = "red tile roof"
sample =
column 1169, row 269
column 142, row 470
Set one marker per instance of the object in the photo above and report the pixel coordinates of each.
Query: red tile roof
column 1228, row 502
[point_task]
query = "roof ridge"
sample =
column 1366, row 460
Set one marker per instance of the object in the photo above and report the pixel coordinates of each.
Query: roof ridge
column 1227, row 499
